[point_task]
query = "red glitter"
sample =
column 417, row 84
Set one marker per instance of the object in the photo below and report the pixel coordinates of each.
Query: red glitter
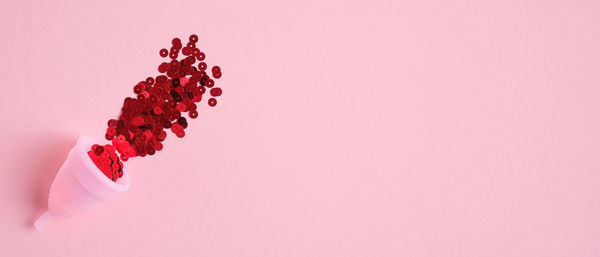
column 158, row 105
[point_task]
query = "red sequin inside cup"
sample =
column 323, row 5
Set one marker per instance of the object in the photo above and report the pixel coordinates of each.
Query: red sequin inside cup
column 158, row 105
column 107, row 161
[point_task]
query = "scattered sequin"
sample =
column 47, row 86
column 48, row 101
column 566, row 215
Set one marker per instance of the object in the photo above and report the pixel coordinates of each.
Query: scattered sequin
column 158, row 105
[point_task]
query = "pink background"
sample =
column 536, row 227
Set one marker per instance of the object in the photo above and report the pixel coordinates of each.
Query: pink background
column 346, row 128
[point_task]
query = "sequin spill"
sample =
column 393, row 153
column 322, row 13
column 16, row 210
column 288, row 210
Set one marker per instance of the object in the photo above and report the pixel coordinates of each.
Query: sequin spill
column 158, row 106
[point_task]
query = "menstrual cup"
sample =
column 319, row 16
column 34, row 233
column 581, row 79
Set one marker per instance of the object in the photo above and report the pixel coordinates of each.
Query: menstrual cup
column 79, row 185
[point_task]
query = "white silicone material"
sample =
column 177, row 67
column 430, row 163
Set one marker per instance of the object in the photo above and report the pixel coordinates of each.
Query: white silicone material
column 79, row 185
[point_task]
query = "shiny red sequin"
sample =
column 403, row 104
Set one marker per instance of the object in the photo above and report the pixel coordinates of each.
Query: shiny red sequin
column 216, row 91
column 158, row 105
column 163, row 52
column 107, row 161
column 212, row 102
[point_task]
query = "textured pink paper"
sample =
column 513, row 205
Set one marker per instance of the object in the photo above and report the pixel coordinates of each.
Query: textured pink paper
column 346, row 128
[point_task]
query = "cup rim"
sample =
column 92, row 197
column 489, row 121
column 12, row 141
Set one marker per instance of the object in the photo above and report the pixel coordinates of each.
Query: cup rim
column 84, row 144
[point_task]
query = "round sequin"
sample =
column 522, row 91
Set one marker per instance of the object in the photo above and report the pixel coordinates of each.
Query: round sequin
column 164, row 52
column 139, row 88
column 157, row 110
column 112, row 123
column 202, row 66
column 212, row 102
column 200, row 56
column 181, row 107
column 163, row 67
column 182, row 122
column 176, row 42
column 149, row 81
column 210, row 83
column 158, row 105
column 216, row 91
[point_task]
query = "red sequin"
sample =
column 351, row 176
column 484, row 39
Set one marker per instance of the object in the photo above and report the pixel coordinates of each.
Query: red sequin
column 157, row 106
column 149, row 81
column 137, row 121
column 112, row 123
column 181, row 107
column 139, row 88
column 111, row 131
column 200, row 56
column 176, row 42
column 105, row 158
column 216, row 91
column 210, row 83
column 157, row 110
column 164, row 52
column 212, row 102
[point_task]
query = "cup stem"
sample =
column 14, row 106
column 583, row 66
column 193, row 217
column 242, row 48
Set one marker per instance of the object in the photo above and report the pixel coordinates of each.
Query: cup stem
column 43, row 220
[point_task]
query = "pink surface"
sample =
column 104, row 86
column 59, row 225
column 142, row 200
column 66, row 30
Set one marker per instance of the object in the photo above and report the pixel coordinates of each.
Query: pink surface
column 346, row 128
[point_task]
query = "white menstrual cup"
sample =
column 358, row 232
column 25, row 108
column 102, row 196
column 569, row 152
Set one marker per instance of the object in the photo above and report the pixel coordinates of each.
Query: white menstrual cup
column 79, row 185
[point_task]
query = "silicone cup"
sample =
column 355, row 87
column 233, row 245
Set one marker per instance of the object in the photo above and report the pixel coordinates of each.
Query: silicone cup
column 79, row 185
